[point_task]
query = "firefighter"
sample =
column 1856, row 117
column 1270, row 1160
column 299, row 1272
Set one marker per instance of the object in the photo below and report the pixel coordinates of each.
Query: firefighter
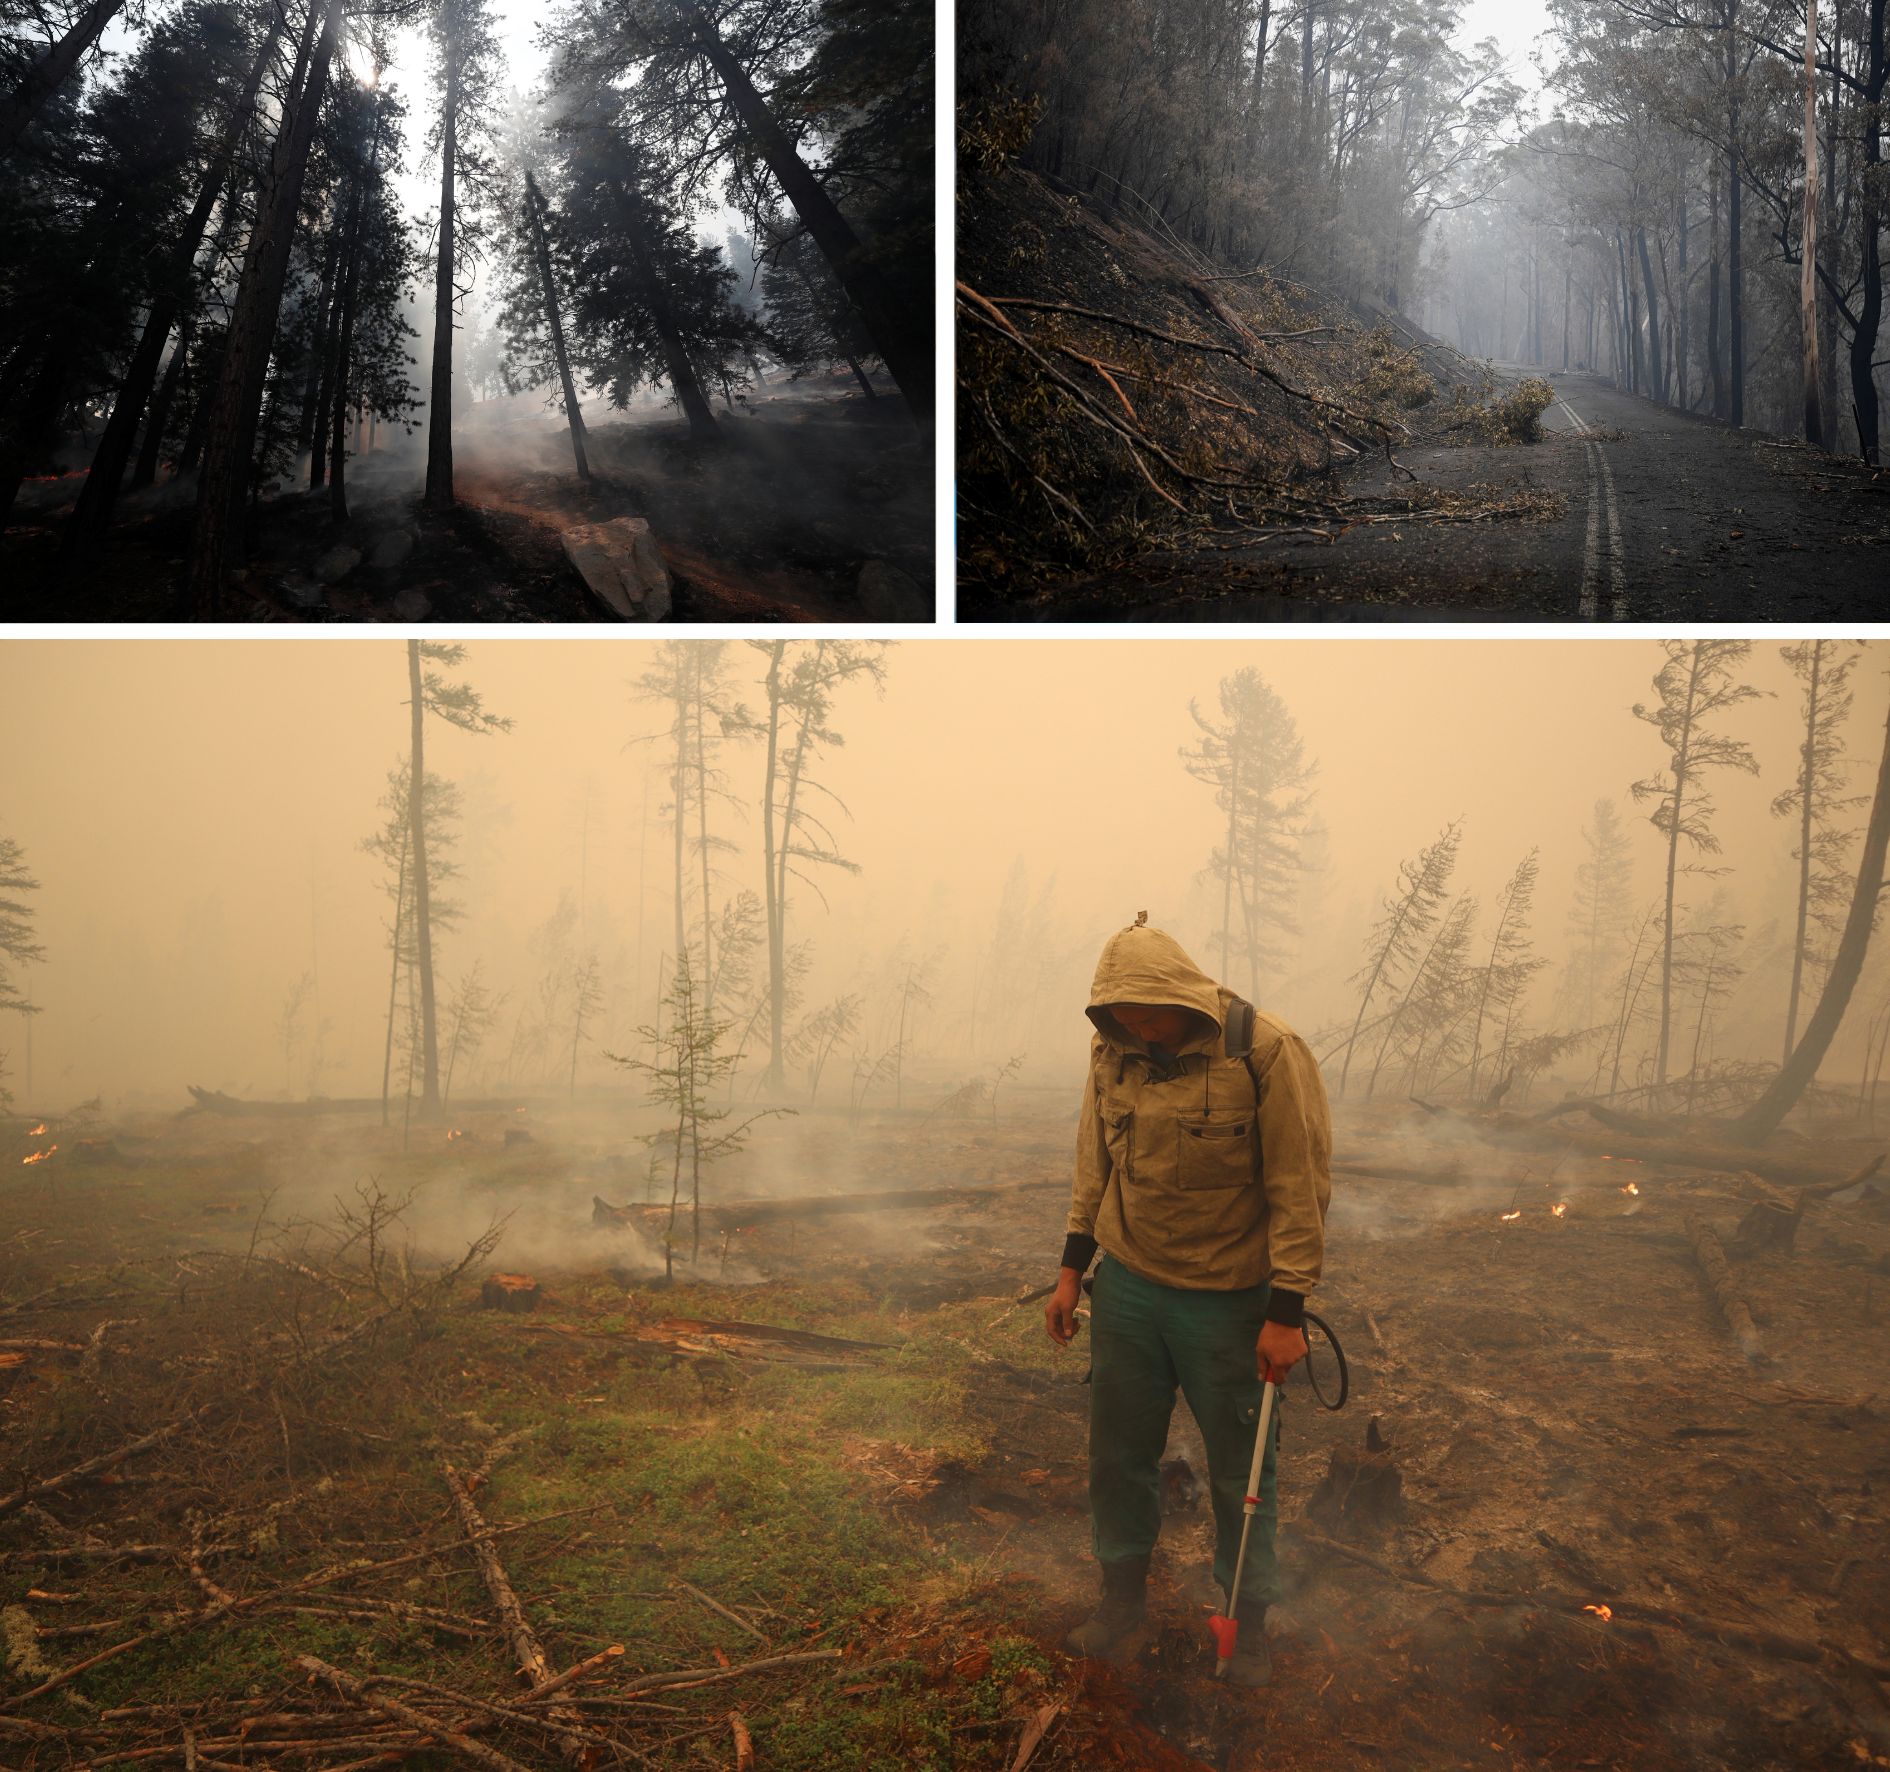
column 1203, row 1159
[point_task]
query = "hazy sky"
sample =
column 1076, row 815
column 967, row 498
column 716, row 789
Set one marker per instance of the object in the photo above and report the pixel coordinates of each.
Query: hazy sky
column 193, row 809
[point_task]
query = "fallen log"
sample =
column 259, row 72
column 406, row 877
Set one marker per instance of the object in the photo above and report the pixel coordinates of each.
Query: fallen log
column 530, row 1654
column 1795, row 1169
column 1712, row 1259
column 738, row 1215
column 214, row 1101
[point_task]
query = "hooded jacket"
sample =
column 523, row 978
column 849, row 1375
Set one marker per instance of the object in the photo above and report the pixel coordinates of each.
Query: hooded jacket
column 1199, row 1167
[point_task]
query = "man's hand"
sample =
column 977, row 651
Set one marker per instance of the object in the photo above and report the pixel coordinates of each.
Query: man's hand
column 1280, row 1349
column 1059, row 1313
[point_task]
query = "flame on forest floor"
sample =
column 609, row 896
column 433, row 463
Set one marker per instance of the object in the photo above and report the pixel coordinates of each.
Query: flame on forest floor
column 1631, row 1188
column 39, row 1156
column 1559, row 1209
column 1604, row 1613
column 1511, row 1217
column 38, row 1131
column 451, row 1136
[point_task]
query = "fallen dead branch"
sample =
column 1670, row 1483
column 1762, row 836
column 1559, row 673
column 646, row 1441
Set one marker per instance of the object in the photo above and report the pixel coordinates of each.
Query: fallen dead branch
column 105, row 1461
column 682, row 1678
column 361, row 1692
column 736, row 1215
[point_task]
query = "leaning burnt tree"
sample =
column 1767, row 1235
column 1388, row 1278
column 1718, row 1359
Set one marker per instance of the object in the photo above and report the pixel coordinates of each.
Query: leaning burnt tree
column 1764, row 1116
column 554, row 321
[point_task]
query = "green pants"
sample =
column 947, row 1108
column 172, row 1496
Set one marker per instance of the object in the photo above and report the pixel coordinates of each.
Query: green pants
column 1146, row 1340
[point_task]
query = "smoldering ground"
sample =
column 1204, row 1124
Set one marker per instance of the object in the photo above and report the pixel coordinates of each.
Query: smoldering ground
column 1612, row 1472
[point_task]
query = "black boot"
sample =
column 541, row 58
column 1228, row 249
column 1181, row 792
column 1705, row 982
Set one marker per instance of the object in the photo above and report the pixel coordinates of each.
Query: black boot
column 1113, row 1632
column 1252, row 1661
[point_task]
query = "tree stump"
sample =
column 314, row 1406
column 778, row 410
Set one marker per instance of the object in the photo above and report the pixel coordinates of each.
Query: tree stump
column 1361, row 1489
column 510, row 1292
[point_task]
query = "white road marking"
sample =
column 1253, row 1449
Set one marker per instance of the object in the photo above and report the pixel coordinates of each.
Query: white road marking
column 1600, row 497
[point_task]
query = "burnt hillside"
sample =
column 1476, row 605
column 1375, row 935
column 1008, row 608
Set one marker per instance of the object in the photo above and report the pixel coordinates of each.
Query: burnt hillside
column 1122, row 397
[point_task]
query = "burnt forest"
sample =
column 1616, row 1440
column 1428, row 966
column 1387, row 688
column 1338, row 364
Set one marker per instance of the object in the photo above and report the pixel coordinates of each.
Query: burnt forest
column 1339, row 310
column 527, row 1206
column 463, row 310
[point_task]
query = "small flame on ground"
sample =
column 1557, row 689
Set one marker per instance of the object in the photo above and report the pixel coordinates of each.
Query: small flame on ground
column 1631, row 1188
column 40, row 1156
column 38, row 1131
column 1510, row 1217
column 453, row 1135
column 1559, row 1209
column 1604, row 1613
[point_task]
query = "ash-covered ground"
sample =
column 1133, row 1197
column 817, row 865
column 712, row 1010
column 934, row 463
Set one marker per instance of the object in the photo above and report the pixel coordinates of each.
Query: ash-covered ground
column 825, row 1485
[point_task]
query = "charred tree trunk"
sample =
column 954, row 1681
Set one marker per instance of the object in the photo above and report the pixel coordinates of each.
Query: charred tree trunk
column 902, row 341
column 144, row 470
column 1808, row 245
column 1761, row 1119
column 344, row 345
column 439, row 494
column 323, row 335
column 534, row 208
column 1735, row 269
column 682, row 374
column 1713, row 364
column 1656, row 380
column 1870, row 305
column 237, row 399
column 325, row 383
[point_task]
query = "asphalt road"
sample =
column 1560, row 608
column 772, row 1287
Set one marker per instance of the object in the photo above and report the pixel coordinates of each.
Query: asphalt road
column 1657, row 516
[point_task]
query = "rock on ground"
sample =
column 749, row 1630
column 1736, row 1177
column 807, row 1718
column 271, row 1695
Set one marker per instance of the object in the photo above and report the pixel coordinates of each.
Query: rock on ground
column 623, row 566
column 336, row 564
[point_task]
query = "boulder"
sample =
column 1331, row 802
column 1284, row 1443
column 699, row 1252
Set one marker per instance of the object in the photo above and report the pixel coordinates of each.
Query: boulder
column 337, row 563
column 623, row 566
column 412, row 604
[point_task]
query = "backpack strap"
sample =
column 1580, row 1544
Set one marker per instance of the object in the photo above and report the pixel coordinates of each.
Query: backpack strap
column 1237, row 1037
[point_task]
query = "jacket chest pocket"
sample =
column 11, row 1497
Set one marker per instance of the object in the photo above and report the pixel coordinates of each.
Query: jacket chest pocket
column 1118, row 1123
column 1214, row 1151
